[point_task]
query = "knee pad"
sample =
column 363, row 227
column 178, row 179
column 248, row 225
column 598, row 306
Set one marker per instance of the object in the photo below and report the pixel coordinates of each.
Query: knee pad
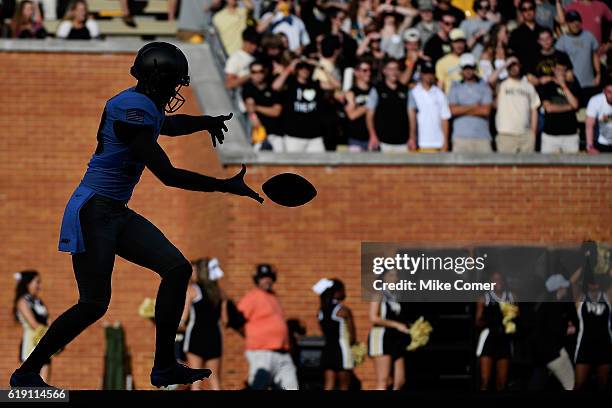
column 93, row 310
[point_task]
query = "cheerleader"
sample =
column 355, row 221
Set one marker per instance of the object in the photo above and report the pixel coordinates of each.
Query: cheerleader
column 338, row 327
column 30, row 311
column 204, row 313
column 388, row 337
column 494, row 343
column 594, row 342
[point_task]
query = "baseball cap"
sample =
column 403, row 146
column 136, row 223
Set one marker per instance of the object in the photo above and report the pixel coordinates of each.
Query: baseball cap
column 265, row 270
column 457, row 34
column 467, row 60
column 427, row 67
column 411, row 35
column 511, row 61
column 572, row 16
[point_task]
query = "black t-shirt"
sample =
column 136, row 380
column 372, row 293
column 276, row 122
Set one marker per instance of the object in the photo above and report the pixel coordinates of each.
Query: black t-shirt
column 436, row 48
column 79, row 34
column 560, row 123
column 524, row 44
column 265, row 97
column 545, row 64
column 357, row 129
column 302, row 109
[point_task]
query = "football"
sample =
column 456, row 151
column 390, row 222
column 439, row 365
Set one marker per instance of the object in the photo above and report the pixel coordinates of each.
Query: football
column 289, row 190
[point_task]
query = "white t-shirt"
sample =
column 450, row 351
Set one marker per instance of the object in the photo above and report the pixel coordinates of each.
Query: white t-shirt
column 515, row 100
column 292, row 26
column 238, row 63
column 432, row 107
column 601, row 110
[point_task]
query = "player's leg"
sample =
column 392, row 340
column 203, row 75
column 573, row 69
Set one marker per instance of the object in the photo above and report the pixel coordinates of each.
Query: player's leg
column 344, row 379
column 92, row 269
column 329, row 377
column 582, row 375
column 144, row 244
column 501, row 373
column 382, row 365
column 603, row 373
column 399, row 373
column 215, row 378
column 486, row 369
column 195, row 361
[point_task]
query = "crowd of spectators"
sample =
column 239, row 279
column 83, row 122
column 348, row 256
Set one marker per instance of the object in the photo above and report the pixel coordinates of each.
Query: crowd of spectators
column 393, row 75
column 427, row 76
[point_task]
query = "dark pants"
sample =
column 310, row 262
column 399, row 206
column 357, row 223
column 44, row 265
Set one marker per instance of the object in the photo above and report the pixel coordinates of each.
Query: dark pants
column 111, row 228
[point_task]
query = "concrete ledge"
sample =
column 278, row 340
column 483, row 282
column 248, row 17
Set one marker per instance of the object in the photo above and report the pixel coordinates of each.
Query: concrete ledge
column 411, row 159
column 123, row 45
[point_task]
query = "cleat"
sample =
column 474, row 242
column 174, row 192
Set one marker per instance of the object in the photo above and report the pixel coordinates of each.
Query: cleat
column 28, row 380
column 178, row 374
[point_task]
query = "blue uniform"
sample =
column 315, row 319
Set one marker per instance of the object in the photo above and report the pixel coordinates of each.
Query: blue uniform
column 113, row 171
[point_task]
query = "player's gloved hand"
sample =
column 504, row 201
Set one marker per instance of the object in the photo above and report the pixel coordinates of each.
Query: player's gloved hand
column 216, row 127
column 236, row 185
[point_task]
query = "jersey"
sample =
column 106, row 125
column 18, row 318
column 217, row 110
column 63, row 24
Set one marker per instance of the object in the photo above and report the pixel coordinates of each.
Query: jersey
column 113, row 171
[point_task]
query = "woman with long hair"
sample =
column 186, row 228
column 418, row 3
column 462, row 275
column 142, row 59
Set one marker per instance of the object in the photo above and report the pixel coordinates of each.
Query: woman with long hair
column 205, row 311
column 30, row 311
column 338, row 327
column 494, row 342
column 78, row 23
column 493, row 58
column 388, row 337
column 27, row 21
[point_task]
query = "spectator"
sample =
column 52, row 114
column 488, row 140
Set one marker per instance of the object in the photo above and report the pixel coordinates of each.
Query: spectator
column 427, row 26
column 581, row 47
column 524, row 39
column 301, row 108
column 338, row 327
column 274, row 53
column 470, row 104
column 78, row 24
column 445, row 7
column 414, row 56
column 282, row 20
column 476, row 28
column 327, row 71
column 545, row 14
column 356, row 110
column 429, row 114
column 493, row 59
column 193, row 19
column 360, row 14
column 31, row 312
column 370, row 49
column 348, row 46
column 517, row 112
column 560, row 101
column 494, row 14
column 391, row 40
column 599, row 111
column 237, row 65
column 267, row 335
column 264, row 107
column 547, row 59
column 230, row 22
column 27, row 21
column 387, row 116
column 439, row 44
column 205, row 312
column 447, row 68
column 593, row 14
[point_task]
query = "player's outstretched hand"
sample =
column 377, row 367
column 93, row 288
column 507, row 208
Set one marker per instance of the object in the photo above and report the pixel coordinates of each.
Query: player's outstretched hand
column 236, row 185
column 217, row 127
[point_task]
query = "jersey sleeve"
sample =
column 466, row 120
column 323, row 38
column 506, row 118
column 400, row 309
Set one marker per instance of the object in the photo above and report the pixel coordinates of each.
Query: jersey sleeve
column 137, row 110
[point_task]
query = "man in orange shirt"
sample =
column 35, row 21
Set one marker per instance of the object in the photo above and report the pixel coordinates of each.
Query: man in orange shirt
column 267, row 335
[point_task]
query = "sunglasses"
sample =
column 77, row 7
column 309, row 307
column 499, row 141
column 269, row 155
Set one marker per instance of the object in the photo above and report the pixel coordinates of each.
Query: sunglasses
column 365, row 69
column 446, row 22
column 257, row 71
column 527, row 9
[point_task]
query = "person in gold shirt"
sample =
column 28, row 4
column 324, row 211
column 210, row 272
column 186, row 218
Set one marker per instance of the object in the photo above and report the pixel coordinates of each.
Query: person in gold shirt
column 230, row 22
column 447, row 68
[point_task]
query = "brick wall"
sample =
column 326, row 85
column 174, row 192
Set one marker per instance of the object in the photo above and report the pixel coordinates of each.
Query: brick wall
column 49, row 113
